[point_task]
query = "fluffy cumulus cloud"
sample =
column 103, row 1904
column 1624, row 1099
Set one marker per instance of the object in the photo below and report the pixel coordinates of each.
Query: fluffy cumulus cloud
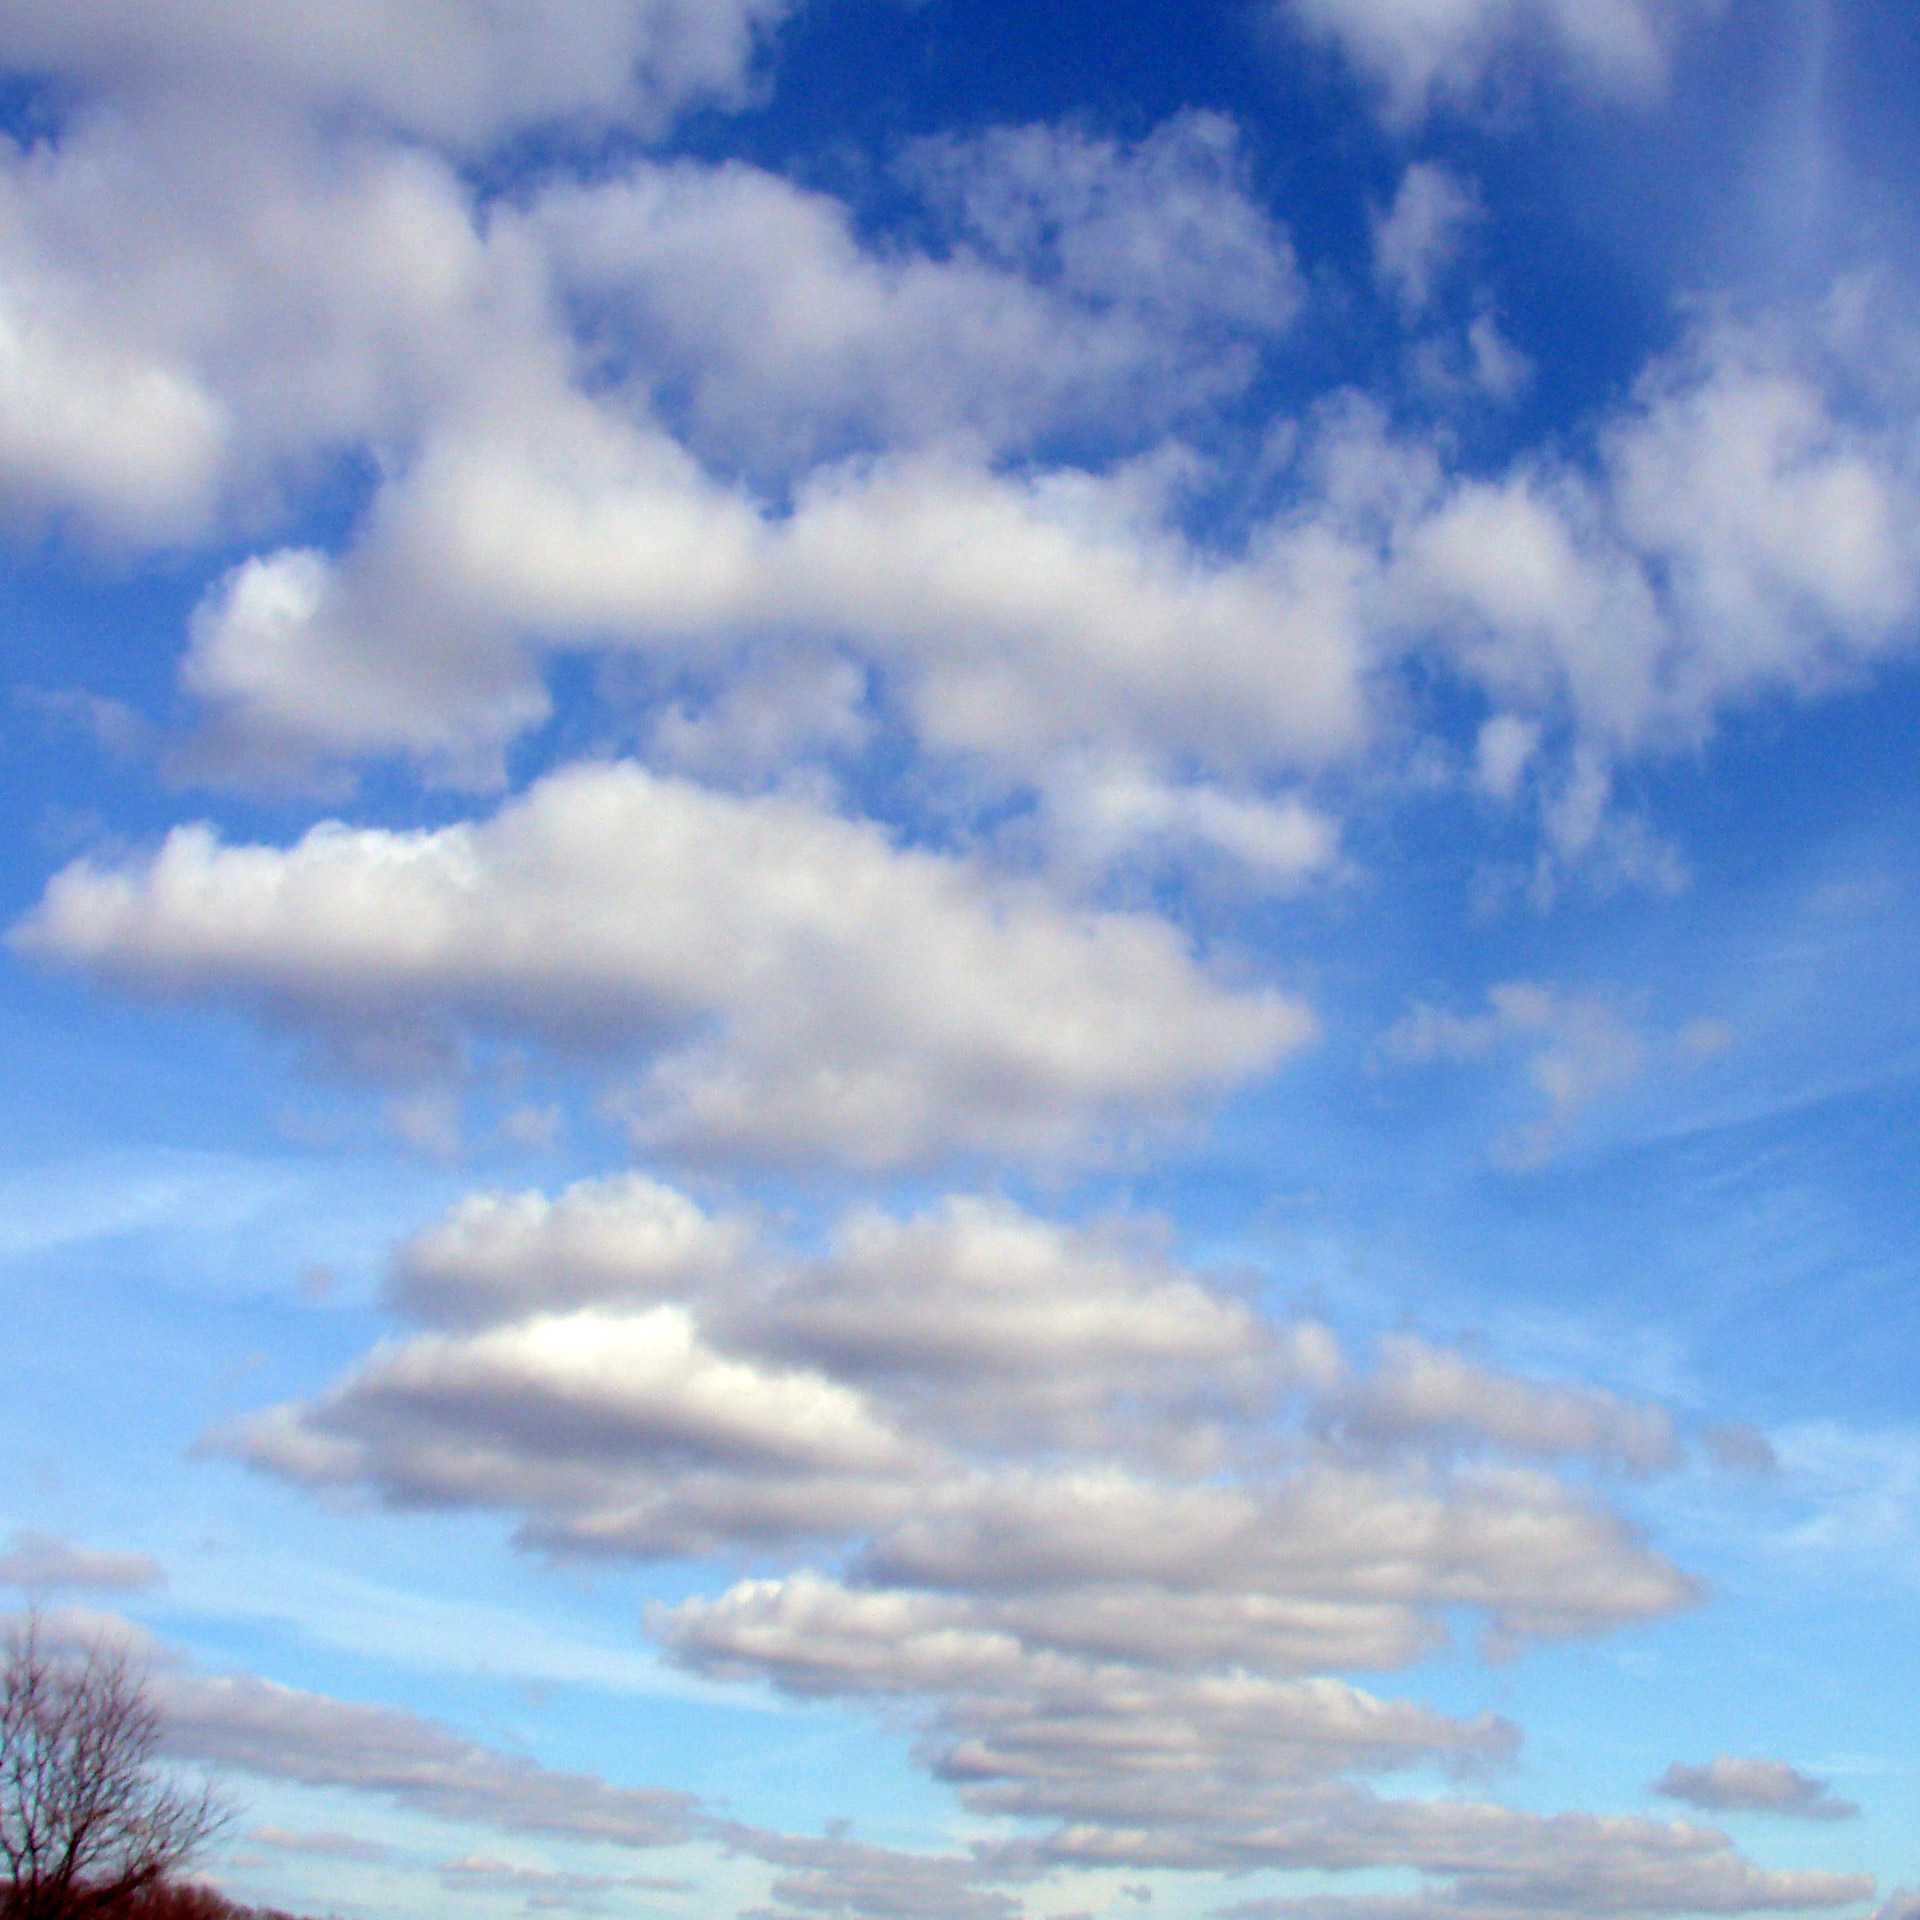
column 621, row 1240
column 1010, row 616
column 667, row 413
column 1055, row 628
column 1100, row 1525
column 1743, row 532
column 179, row 364
column 802, row 985
column 456, row 70
column 1086, row 284
column 1054, row 1425
column 886, row 656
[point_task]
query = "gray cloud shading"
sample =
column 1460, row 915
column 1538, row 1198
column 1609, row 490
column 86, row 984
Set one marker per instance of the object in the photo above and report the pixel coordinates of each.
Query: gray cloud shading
column 836, row 1875
column 1423, row 1390
column 1729, row 1785
column 1741, row 1448
column 1081, row 1439
column 326, row 1845
column 46, row 1560
column 547, row 1889
column 259, row 1727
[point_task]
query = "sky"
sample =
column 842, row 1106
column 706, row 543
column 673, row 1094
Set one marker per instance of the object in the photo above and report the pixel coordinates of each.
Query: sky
column 958, row 957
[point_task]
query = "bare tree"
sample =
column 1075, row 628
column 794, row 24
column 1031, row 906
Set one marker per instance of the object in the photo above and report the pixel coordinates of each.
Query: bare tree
column 87, row 1820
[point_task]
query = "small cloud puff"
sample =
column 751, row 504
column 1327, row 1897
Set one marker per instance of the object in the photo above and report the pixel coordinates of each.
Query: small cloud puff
column 43, row 1560
column 1456, row 51
column 1728, row 1785
column 1421, row 234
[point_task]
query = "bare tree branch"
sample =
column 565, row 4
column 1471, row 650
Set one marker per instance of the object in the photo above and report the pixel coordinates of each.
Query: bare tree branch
column 87, row 1819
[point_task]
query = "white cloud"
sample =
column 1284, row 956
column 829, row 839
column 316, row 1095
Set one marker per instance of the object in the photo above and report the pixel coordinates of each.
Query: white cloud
column 1101, row 816
column 1229, row 1773
column 621, row 1239
column 803, row 985
column 1167, row 224
column 620, row 1432
column 1729, row 1785
column 814, row 1636
column 1486, row 1860
column 1418, row 238
column 629, row 1434
column 182, row 360
column 1057, row 1426
column 455, row 70
column 1102, row 1522
column 1020, row 616
column 1424, row 52
column 501, row 368
column 1020, row 623
column 1223, row 1771
column 1498, row 368
column 1791, row 534
column 1506, row 744
column 307, row 300
column 1105, row 287
column 1740, row 535
column 1520, row 1546
column 763, row 716
column 983, row 1323
column 1011, row 1709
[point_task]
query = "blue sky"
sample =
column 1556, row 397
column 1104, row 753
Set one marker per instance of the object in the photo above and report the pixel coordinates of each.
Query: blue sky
column 959, row 957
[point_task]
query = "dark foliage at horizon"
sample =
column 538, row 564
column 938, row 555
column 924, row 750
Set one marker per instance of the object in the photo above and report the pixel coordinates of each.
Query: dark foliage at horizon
column 173, row 1900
